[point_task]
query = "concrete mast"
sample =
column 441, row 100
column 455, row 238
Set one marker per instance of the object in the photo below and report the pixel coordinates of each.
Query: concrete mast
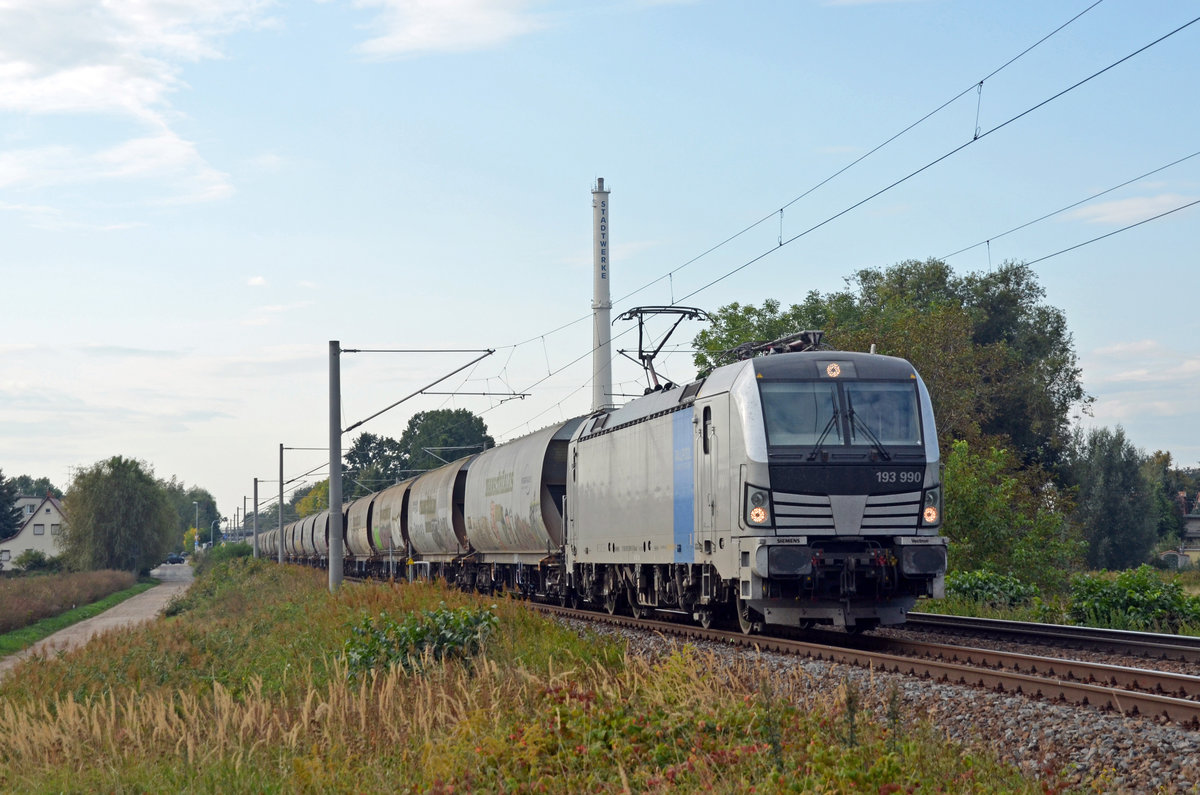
column 601, row 302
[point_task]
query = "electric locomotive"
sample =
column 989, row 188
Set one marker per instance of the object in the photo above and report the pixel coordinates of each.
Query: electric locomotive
column 793, row 488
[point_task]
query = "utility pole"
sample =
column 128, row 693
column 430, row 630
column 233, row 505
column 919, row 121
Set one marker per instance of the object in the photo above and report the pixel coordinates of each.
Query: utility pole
column 335, row 466
column 256, row 517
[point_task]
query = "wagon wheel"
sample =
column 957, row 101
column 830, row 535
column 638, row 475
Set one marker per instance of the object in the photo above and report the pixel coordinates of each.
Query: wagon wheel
column 746, row 619
column 610, row 601
column 635, row 607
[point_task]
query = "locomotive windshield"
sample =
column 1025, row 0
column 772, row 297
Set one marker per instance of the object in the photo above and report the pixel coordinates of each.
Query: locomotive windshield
column 828, row 413
column 800, row 412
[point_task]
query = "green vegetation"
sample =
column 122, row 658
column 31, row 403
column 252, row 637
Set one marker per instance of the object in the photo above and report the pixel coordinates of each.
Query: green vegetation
column 244, row 690
column 420, row 640
column 1138, row 599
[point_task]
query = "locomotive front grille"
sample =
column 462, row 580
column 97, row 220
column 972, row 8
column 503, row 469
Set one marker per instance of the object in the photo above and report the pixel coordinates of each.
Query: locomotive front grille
column 881, row 513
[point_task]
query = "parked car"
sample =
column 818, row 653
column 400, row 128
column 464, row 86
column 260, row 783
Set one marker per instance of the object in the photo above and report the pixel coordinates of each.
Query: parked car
column 174, row 557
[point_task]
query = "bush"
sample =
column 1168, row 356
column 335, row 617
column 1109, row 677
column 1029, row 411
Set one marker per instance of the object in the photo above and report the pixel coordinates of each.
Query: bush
column 33, row 560
column 989, row 588
column 204, row 560
column 431, row 634
column 1137, row 599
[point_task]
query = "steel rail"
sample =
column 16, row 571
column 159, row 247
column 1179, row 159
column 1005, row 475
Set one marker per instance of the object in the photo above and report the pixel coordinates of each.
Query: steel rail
column 1137, row 644
column 1129, row 702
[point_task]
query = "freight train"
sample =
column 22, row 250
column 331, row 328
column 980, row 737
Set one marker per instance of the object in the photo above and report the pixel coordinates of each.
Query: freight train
column 796, row 488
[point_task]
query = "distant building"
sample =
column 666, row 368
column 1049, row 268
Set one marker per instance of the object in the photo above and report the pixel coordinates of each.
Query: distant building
column 42, row 530
column 1189, row 547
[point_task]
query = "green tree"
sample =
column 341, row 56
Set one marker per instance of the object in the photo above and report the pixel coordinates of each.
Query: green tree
column 10, row 515
column 36, row 487
column 1114, row 507
column 315, row 499
column 183, row 497
column 996, row 360
column 372, row 463
column 1003, row 518
column 434, row 438
column 1164, row 497
column 118, row 517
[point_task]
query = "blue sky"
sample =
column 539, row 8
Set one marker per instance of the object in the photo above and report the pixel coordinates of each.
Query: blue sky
column 196, row 197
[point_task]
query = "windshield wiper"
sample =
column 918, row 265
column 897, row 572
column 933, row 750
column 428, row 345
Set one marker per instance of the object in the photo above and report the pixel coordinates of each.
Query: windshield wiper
column 855, row 422
column 821, row 439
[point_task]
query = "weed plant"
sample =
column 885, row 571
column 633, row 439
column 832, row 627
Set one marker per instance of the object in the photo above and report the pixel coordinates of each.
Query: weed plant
column 245, row 689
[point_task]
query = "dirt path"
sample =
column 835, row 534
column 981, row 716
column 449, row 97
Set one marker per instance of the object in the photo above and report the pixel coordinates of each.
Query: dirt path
column 143, row 607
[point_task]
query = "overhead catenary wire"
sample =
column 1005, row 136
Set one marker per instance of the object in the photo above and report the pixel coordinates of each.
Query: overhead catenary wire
column 945, row 156
column 1071, row 206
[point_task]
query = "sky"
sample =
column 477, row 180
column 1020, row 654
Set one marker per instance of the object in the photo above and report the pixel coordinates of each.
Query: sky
column 197, row 197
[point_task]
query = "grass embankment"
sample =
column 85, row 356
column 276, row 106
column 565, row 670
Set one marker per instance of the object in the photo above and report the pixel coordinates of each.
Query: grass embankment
column 35, row 607
column 245, row 690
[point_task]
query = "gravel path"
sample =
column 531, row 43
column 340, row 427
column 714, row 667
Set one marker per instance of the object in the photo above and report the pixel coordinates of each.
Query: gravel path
column 1100, row 751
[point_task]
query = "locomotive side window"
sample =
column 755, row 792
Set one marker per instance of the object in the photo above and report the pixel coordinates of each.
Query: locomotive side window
column 887, row 411
column 800, row 413
column 707, row 427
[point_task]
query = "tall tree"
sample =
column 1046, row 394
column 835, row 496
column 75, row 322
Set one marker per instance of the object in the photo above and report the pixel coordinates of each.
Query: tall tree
column 372, row 463
column 36, row 487
column 183, row 497
column 10, row 515
column 1004, row 518
column 1113, row 501
column 118, row 517
column 433, row 438
column 997, row 361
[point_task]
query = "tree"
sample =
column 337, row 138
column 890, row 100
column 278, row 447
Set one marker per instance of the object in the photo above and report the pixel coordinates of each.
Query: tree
column 1002, row 518
column 182, row 498
column 40, row 487
column 10, row 515
column 1168, row 508
column 434, row 438
column 1113, row 501
column 997, row 361
column 117, row 517
column 372, row 463
column 315, row 499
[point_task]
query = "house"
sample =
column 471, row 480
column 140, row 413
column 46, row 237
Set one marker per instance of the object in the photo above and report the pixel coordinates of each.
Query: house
column 42, row 529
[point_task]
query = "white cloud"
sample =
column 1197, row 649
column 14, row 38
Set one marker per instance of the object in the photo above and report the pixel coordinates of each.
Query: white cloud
column 122, row 61
column 256, row 281
column 1128, row 211
column 406, row 27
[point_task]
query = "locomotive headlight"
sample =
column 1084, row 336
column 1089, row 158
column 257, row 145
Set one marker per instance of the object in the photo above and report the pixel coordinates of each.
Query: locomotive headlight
column 931, row 513
column 758, row 505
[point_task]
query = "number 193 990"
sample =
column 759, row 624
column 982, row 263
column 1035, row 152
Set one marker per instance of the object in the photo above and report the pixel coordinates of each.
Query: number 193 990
column 897, row 476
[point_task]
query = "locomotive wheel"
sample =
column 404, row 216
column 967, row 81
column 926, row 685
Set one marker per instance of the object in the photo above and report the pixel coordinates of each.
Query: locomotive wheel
column 745, row 617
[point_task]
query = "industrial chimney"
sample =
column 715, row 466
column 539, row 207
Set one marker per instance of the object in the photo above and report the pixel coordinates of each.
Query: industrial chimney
column 601, row 302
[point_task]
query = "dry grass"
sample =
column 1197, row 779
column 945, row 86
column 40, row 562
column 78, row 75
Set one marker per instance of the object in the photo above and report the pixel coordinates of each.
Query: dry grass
column 26, row 600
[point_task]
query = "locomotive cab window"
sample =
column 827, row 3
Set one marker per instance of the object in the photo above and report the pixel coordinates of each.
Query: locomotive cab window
column 883, row 411
column 800, row 412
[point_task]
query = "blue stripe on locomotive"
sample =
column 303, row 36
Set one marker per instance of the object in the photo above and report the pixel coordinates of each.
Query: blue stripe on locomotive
column 684, row 486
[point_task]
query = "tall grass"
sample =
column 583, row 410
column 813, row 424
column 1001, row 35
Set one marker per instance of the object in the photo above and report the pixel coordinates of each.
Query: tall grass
column 25, row 600
column 244, row 691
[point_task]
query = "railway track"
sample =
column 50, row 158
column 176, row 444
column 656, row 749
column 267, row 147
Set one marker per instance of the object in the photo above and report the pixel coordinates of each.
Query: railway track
column 1130, row 691
column 1150, row 645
